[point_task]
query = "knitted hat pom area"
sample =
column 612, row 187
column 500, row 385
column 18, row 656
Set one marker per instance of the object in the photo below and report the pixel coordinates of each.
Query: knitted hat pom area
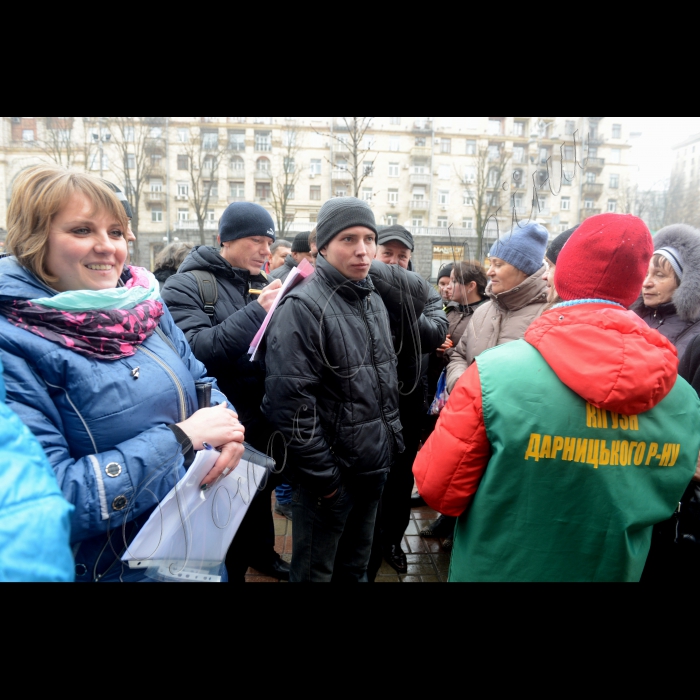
column 607, row 258
column 340, row 214
column 523, row 247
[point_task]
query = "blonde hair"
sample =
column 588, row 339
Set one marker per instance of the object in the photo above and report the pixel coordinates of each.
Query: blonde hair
column 38, row 195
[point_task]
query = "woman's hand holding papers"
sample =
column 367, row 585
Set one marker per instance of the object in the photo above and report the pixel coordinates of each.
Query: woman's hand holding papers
column 218, row 427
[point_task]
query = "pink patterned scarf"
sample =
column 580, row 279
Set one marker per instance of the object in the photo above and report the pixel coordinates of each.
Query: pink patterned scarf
column 102, row 335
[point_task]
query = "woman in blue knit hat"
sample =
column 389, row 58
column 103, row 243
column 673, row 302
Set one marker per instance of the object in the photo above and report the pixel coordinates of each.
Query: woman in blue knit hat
column 517, row 294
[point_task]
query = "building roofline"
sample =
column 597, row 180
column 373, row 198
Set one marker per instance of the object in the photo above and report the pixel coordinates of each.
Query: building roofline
column 691, row 139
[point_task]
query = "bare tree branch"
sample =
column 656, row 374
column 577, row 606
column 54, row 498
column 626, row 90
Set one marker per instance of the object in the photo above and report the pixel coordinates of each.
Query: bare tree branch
column 284, row 185
column 204, row 161
column 140, row 144
column 486, row 192
column 59, row 140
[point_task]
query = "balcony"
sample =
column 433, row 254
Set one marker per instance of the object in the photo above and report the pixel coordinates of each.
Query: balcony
column 419, row 205
column 194, row 226
column 421, row 152
column 588, row 213
column 421, row 179
column 155, row 197
column 593, row 189
column 595, row 164
column 263, row 175
column 342, row 175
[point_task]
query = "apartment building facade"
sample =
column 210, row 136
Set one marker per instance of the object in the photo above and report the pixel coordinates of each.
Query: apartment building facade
column 452, row 181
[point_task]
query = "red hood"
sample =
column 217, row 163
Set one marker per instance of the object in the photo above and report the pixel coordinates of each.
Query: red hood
column 608, row 356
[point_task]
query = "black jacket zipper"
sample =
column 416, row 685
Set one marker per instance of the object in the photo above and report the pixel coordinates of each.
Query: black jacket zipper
column 374, row 364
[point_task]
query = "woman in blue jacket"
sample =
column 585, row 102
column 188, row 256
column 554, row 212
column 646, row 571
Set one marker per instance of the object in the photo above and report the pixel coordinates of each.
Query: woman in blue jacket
column 34, row 516
column 96, row 368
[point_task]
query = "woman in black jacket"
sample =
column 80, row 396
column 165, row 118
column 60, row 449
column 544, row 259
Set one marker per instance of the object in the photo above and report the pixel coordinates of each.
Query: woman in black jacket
column 670, row 301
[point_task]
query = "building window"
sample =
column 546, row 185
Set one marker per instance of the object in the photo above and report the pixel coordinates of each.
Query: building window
column 393, row 169
column 614, row 182
column 315, row 193
column 612, row 206
column 236, row 191
column 157, row 215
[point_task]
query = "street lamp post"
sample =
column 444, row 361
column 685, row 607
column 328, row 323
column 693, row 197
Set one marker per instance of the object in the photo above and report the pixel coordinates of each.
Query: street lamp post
column 102, row 139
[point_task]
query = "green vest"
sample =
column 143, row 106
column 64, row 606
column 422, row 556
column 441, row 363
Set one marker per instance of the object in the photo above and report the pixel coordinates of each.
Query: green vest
column 571, row 492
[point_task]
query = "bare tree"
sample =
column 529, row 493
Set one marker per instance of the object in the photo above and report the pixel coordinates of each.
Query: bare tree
column 140, row 145
column 62, row 141
column 284, row 185
column 683, row 205
column 354, row 149
column 652, row 205
column 627, row 198
column 486, row 192
column 205, row 155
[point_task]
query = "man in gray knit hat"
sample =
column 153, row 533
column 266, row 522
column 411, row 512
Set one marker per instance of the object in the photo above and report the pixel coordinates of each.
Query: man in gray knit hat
column 333, row 393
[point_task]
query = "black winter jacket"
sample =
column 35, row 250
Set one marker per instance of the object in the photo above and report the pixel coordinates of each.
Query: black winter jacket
column 281, row 273
column 690, row 510
column 222, row 343
column 414, row 350
column 668, row 322
column 332, row 385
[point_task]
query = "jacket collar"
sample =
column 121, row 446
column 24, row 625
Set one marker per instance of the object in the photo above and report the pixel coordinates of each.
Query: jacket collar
column 464, row 309
column 532, row 291
column 663, row 311
column 16, row 282
column 210, row 260
column 344, row 287
column 291, row 262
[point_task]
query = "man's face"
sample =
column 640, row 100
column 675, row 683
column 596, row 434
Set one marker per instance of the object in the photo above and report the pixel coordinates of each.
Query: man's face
column 351, row 252
column 444, row 285
column 394, row 253
column 278, row 258
column 248, row 253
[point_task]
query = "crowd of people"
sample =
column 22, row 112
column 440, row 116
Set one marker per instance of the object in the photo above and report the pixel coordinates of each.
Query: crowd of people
column 546, row 406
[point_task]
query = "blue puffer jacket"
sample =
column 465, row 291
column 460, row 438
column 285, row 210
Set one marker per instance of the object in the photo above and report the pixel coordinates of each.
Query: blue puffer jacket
column 34, row 516
column 102, row 425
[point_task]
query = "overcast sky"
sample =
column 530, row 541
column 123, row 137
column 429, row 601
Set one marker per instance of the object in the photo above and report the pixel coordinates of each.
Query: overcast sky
column 652, row 152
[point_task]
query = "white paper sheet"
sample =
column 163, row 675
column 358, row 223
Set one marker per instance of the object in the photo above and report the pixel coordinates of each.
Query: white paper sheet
column 189, row 534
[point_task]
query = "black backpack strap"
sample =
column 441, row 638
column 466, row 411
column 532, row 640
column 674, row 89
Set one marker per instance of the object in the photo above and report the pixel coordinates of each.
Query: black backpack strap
column 208, row 290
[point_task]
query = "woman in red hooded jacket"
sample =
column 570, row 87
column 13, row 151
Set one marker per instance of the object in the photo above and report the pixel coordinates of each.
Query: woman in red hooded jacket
column 561, row 451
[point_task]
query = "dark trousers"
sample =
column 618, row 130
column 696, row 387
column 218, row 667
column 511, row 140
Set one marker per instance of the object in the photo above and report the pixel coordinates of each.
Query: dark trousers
column 672, row 560
column 254, row 544
column 395, row 508
column 333, row 537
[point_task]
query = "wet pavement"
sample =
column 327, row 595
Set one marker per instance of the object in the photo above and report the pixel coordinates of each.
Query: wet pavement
column 427, row 563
